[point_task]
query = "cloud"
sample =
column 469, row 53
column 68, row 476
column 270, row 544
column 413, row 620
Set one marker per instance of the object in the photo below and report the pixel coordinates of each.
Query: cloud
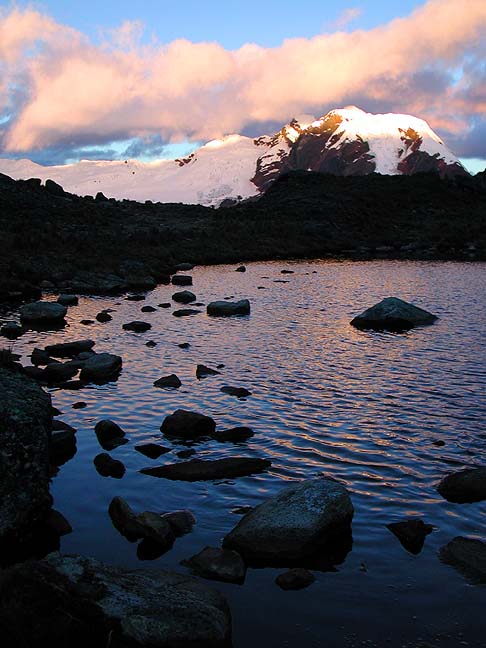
column 346, row 17
column 63, row 90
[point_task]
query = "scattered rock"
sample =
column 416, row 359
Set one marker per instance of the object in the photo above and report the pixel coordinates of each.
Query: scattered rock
column 183, row 267
column 188, row 425
column 202, row 371
column 184, row 345
column 69, row 349
column 286, row 272
column 137, row 326
column 86, row 322
column 43, row 313
column 411, row 533
column 40, row 357
column 464, row 486
column 152, row 450
column 36, row 374
column 171, row 381
column 218, row 564
column 124, row 519
column 109, row 467
column 101, row 367
column 79, row 405
column 181, row 522
column 202, row 470
column 468, row 556
column 103, row 317
column 227, row 308
column 239, row 392
column 185, row 312
column 154, row 527
column 439, row 443
column 148, row 309
column 57, row 372
column 11, row 331
column 295, row 579
column 300, row 521
column 182, row 280
column 151, row 344
column 235, row 434
column 135, row 297
column 110, row 435
column 240, row 269
column 393, row 314
column 77, row 601
column 184, row 297
column 68, row 300
column 165, row 305
column 185, row 454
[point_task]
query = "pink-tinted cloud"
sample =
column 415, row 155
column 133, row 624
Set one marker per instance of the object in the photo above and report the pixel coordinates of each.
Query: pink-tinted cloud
column 76, row 91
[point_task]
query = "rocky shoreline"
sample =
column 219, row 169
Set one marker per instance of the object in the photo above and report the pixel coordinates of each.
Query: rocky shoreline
column 65, row 243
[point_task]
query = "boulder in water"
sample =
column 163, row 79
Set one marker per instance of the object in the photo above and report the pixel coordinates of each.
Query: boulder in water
column 228, row 309
column 393, row 314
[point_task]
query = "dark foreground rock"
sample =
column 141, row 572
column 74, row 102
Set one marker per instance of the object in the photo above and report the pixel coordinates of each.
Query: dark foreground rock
column 69, row 349
column 184, row 297
column 228, row 309
column 101, row 367
column 393, row 314
column 171, row 381
column 25, row 424
column 201, row 470
column 217, row 564
column 188, row 425
column 203, row 372
column 295, row 579
column 109, row 467
column 182, row 280
column 43, row 313
column 411, row 533
column 301, row 520
column 110, row 435
column 468, row 556
column 464, row 486
column 79, row 602
column 137, row 326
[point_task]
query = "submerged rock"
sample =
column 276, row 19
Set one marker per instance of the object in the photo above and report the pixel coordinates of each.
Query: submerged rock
column 235, row 434
column 101, row 367
column 184, row 297
column 227, row 308
column 109, row 467
column 188, row 425
column 411, row 533
column 137, row 326
column 217, row 564
column 152, row 450
column 79, row 602
column 203, row 372
column 43, row 313
column 299, row 521
column 171, row 381
column 202, row 470
column 110, row 435
column 295, row 579
column 393, row 314
column 464, row 486
column 25, row 424
column 468, row 556
column 69, row 349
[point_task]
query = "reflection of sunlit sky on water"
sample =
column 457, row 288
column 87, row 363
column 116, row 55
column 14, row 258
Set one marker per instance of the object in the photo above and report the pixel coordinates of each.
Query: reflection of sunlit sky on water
column 362, row 407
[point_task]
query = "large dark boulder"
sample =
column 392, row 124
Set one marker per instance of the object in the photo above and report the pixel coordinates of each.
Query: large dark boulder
column 42, row 313
column 295, row 524
column 393, row 314
column 468, row 556
column 76, row 601
column 25, row 424
column 109, row 434
column 101, row 367
column 228, row 309
column 187, row 425
column 464, row 486
column 411, row 533
column 203, row 470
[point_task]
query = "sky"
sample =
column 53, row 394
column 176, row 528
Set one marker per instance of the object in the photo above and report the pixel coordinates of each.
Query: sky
column 150, row 79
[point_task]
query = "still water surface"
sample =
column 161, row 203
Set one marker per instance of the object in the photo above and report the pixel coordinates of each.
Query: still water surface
column 364, row 407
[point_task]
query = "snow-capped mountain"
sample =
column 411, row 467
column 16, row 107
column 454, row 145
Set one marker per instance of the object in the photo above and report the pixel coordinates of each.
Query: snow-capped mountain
column 347, row 141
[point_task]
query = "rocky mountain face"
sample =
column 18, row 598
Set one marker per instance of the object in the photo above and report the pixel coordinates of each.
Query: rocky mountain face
column 345, row 142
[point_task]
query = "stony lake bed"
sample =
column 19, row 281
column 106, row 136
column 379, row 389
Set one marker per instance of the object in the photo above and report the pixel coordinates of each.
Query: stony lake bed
column 387, row 414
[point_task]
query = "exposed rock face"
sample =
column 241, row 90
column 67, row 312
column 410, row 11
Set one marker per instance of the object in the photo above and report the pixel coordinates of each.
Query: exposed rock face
column 393, row 314
column 188, row 425
column 25, row 423
column 468, row 556
column 75, row 601
column 218, row 564
column 43, row 313
column 411, row 533
column 101, row 367
column 228, row 309
column 464, row 486
column 296, row 523
column 201, row 470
